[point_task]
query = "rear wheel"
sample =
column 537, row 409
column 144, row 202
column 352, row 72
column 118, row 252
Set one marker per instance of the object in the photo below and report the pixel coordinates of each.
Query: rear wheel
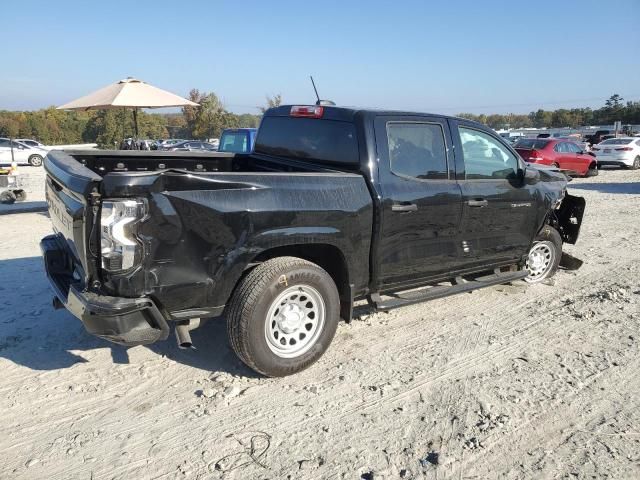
column 7, row 197
column 544, row 255
column 636, row 163
column 593, row 171
column 21, row 195
column 283, row 316
column 35, row 160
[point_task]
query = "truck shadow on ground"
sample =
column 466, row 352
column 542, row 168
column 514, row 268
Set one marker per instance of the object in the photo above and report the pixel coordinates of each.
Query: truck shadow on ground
column 36, row 336
column 632, row 188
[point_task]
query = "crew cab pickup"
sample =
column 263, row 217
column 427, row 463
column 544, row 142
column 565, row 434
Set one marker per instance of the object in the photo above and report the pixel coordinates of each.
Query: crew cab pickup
column 333, row 205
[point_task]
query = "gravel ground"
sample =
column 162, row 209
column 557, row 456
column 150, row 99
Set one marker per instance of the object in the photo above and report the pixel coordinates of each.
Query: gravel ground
column 506, row 382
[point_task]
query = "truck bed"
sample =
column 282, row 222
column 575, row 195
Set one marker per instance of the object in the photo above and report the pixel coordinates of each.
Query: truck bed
column 209, row 215
column 103, row 162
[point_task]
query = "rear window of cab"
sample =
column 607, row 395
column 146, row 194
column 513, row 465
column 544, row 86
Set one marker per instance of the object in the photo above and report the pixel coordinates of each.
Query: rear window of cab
column 325, row 141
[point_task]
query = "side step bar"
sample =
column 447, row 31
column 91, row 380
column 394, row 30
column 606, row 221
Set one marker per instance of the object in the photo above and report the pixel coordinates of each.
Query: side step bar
column 431, row 293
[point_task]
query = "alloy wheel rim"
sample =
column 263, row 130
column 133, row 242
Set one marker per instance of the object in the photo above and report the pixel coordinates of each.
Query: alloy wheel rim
column 294, row 321
column 540, row 260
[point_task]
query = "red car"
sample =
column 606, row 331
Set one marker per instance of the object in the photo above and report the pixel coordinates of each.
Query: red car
column 559, row 153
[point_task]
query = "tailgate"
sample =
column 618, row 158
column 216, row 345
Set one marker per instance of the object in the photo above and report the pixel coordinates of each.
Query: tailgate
column 70, row 186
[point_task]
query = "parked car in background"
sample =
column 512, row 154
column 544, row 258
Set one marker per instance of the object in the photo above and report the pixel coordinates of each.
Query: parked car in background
column 32, row 143
column 558, row 153
column 621, row 152
column 237, row 140
column 214, row 141
column 192, row 146
column 165, row 144
column 596, row 137
column 22, row 154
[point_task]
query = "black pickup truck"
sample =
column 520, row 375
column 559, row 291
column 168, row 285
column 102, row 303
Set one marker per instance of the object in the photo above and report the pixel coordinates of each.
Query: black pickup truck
column 333, row 205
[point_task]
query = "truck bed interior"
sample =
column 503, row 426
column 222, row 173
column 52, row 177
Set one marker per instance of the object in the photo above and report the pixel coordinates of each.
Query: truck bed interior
column 103, row 162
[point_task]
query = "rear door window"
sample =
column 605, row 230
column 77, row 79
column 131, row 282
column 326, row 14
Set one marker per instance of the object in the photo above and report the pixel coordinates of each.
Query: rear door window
column 417, row 150
column 485, row 157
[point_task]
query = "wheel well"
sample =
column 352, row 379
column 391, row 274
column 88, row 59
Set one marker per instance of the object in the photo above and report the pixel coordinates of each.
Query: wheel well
column 329, row 257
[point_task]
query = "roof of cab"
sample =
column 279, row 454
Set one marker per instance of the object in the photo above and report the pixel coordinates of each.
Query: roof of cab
column 347, row 114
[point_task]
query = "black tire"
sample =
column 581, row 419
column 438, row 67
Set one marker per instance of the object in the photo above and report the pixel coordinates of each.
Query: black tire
column 254, row 298
column 593, row 171
column 550, row 239
column 7, row 197
column 35, row 160
column 636, row 163
column 21, row 195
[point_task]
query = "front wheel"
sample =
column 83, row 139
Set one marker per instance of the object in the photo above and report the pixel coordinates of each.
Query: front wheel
column 283, row 315
column 544, row 255
column 35, row 160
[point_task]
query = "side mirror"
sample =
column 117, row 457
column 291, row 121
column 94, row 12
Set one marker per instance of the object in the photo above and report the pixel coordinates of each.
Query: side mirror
column 530, row 176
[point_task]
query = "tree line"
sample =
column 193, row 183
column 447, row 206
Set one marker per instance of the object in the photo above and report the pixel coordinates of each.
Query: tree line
column 108, row 127
column 614, row 109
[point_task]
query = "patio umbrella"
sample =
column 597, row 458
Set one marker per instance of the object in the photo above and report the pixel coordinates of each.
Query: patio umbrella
column 128, row 93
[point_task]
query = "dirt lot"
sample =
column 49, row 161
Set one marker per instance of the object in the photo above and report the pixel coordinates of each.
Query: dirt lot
column 508, row 382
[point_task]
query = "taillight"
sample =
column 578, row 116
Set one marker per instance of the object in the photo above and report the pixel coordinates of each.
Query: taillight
column 120, row 248
column 624, row 149
column 535, row 156
column 308, row 111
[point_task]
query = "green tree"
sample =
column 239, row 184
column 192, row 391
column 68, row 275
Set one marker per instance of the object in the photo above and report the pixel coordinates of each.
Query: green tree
column 272, row 102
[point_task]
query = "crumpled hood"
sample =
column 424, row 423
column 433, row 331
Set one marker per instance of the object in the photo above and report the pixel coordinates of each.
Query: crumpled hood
column 549, row 173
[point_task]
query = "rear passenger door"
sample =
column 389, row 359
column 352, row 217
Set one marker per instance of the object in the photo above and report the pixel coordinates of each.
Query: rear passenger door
column 499, row 211
column 421, row 205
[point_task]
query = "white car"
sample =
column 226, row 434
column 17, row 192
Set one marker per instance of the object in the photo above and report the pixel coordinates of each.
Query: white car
column 22, row 154
column 622, row 152
column 32, row 143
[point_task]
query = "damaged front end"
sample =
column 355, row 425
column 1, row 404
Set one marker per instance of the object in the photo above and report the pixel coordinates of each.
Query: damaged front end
column 566, row 218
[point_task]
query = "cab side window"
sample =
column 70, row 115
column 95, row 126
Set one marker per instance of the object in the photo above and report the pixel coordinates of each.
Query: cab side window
column 485, row 157
column 417, row 150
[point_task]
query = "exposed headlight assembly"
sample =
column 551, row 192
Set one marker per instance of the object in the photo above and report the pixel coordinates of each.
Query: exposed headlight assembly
column 120, row 248
column 560, row 199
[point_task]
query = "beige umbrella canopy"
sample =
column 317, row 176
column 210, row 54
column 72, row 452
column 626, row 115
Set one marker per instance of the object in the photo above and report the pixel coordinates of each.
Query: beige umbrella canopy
column 128, row 93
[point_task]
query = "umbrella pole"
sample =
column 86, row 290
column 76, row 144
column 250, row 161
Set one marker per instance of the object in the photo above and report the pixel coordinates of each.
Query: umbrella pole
column 124, row 117
column 135, row 120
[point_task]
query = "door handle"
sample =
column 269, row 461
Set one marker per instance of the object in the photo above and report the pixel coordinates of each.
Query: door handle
column 404, row 207
column 477, row 203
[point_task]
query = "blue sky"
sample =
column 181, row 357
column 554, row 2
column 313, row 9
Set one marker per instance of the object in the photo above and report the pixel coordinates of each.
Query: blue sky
column 438, row 56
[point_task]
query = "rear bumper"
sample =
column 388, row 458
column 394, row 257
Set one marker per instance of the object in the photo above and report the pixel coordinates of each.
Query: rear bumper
column 618, row 162
column 127, row 321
